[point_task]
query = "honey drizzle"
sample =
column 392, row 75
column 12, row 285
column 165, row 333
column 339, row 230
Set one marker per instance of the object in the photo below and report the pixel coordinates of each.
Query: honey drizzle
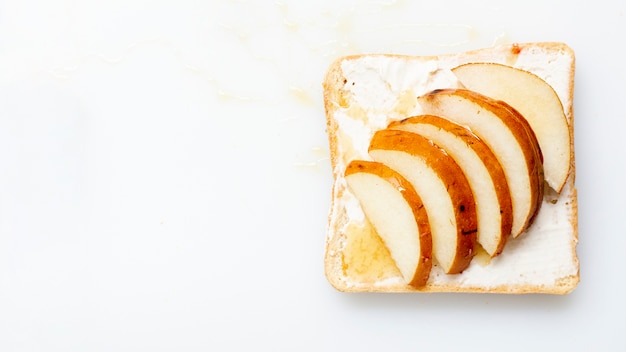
column 366, row 258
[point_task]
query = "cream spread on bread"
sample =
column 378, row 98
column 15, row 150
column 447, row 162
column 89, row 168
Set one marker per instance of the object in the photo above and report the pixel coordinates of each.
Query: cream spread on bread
column 376, row 87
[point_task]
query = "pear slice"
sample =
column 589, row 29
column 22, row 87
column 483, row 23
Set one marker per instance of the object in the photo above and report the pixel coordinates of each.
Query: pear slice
column 537, row 101
column 482, row 170
column 510, row 138
column 442, row 187
column 396, row 212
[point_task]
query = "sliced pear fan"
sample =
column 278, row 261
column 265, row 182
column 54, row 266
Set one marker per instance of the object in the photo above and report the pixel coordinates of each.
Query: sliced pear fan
column 482, row 170
column 443, row 189
column 537, row 101
column 510, row 138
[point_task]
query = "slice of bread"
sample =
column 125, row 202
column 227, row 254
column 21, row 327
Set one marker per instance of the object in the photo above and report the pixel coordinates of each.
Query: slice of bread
column 366, row 93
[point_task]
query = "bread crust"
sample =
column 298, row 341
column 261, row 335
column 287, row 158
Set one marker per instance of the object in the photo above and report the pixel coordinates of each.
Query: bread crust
column 336, row 98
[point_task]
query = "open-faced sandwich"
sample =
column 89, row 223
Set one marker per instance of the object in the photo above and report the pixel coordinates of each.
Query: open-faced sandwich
column 453, row 173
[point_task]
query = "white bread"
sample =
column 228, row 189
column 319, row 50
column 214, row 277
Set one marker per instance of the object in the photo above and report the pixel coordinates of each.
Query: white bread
column 363, row 94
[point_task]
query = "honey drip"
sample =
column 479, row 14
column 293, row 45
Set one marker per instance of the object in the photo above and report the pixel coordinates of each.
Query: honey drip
column 481, row 257
column 357, row 113
column 346, row 146
column 366, row 258
column 406, row 103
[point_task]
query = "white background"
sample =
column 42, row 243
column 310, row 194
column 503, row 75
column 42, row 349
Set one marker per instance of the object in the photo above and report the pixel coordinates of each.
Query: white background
column 164, row 177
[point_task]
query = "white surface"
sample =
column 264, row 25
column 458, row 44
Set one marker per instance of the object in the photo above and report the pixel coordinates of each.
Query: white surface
column 164, row 182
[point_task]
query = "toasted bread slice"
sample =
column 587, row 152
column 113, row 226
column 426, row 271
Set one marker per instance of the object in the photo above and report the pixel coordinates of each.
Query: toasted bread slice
column 363, row 94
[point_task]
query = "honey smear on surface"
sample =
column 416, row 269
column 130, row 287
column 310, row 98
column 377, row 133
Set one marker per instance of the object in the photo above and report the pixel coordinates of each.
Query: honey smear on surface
column 406, row 103
column 366, row 259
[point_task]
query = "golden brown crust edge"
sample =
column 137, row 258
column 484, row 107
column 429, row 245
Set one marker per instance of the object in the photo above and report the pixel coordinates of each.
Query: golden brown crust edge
column 335, row 238
column 332, row 259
